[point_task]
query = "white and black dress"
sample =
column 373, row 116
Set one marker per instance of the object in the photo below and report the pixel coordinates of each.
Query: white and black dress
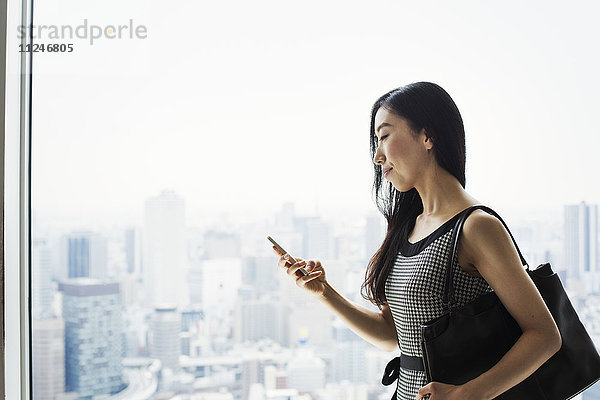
column 414, row 291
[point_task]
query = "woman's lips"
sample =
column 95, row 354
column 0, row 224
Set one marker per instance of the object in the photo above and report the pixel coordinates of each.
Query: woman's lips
column 386, row 172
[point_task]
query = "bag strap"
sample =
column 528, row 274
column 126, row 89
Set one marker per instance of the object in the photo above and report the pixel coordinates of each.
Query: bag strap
column 449, row 288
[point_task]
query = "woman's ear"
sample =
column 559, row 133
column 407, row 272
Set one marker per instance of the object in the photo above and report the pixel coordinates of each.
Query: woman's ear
column 428, row 142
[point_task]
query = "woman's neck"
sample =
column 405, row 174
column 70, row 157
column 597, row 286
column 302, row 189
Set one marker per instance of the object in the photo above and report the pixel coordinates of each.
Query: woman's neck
column 442, row 195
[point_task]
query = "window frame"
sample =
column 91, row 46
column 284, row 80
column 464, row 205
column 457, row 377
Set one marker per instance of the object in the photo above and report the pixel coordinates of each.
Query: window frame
column 3, row 21
column 15, row 199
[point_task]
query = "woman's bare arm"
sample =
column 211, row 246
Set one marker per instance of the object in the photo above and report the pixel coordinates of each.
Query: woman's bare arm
column 375, row 327
column 491, row 250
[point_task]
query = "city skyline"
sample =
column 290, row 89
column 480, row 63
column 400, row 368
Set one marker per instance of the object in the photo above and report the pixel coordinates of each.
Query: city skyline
column 242, row 318
column 160, row 164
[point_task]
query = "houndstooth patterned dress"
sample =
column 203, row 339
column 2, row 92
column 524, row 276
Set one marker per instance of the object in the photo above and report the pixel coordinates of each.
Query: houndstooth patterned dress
column 414, row 291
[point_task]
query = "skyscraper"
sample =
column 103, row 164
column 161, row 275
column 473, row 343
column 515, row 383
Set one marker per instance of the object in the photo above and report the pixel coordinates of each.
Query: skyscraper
column 132, row 250
column 164, row 250
column 306, row 372
column 581, row 243
column 165, row 344
column 48, row 351
column 222, row 278
column 374, row 234
column 42, row 292
column 260, row 273
column 316, row 238
column 221, row 245
column 308, row 326
column 84, row 255
column 92, row 311
column 256, row 319
column 195, row 279
column 349, row 355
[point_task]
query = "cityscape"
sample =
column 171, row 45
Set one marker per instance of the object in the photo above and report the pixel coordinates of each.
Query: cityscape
column 168, row 311
column 255, row 116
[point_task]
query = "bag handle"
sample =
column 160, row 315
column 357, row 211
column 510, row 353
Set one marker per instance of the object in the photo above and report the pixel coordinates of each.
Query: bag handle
column 449, row 288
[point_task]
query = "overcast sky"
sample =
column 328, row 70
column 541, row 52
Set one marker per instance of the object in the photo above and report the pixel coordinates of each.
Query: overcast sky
column 244, row 105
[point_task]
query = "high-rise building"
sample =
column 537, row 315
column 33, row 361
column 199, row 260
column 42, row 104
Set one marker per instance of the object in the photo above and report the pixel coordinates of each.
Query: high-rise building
column 261, row 273
column 349, row 355
column 41, row 283
column 284, row 219
column 374, row 234
column 346, row 390
column 316, row 238
column 93, row 315
column 165, row 344
column 250, row 376
column 257, row 319
column 221, row 280
column 221, row 245
column 164, row 259
column 376, row 361
column 195, row 281
column 48, row 353
column 582, row 257
column 308, row 326
column 306, row 372
column 256, row 369
column 274, row 378
column 84, row 255
column 132, row 250
column 190, row 317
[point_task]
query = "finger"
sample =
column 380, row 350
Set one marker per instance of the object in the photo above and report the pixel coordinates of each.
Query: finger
column 295, row 267
column 291, row 259
column 316, row 267
column 283, row 262
column 423, row 391
column 285, row 259
column 303, row 280
column 302, row 266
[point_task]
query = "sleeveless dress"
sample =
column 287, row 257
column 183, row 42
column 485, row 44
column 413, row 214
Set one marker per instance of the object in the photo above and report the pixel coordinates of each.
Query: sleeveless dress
column 414, row 291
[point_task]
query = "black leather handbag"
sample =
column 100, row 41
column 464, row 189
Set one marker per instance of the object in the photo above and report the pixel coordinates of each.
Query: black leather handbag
column 466, row 341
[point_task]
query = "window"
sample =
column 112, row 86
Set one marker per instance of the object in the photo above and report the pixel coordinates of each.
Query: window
column 166, row 143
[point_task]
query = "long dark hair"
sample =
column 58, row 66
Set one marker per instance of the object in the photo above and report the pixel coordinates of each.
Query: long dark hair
column 424, row 105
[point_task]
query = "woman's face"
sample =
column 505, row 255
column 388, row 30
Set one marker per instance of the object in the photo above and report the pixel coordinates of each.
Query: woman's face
column 402, row 156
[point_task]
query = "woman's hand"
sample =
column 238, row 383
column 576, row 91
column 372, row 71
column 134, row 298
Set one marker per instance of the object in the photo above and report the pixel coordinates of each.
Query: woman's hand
column 314, row 282
column 443, row 391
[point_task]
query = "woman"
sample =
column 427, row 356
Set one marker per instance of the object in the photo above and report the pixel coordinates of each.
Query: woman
column 418, row 147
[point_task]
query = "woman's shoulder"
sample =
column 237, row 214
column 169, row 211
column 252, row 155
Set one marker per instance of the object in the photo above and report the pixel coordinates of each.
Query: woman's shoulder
column 481, row 227
column 481, row 222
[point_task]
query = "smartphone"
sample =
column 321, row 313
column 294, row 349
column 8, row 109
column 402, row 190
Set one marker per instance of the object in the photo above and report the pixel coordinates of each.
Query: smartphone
column 282, row 251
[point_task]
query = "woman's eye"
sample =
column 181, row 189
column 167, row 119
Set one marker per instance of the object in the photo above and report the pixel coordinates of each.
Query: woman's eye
column 383, row 137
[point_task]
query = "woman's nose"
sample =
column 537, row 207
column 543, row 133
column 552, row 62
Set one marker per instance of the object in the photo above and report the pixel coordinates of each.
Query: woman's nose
column 379, row 158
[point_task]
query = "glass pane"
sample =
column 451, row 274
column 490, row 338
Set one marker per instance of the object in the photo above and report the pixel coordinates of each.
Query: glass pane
column 169, row 141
